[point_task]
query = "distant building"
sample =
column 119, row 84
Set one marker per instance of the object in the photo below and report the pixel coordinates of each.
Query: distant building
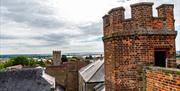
column 91, row 77
column 56, row 58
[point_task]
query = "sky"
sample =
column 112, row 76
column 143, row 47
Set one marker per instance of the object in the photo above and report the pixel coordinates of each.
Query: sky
column 41, row 26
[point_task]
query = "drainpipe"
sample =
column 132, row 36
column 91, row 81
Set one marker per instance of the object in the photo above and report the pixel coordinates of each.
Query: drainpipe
column 85, row 86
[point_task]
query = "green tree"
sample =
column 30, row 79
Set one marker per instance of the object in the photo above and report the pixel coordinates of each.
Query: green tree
column 21, row 60
column 89, row 57
column 41, row 63
column 32, row 63
column 25, row 61
column 64, row 58
column 1, row 66
column 8, row 63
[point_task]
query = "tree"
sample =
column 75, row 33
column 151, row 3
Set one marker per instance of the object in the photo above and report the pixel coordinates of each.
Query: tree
column 32, row 63
column 41, row 63
column 1, row 66
column 89, row 57
column 8, row 63
column 64, row 58
column 21, row 60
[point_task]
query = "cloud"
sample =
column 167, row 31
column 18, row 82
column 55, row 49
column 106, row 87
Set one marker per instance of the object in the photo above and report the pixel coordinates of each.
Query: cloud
column 178, row 38
column 53, row 39
column 34, row 13
column 38, row 26
column 6, row 37
column 92, row 28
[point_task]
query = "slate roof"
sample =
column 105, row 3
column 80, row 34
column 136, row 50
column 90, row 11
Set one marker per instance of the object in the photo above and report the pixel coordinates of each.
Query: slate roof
column 100, row 87
column 26, row 79
column 94, row 72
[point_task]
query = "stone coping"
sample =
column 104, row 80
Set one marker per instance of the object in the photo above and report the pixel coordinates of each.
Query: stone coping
column 163, row 69
column 105, row 16
column 140, row 32
column 163, row 5
column 115, row 9
column 142, row 3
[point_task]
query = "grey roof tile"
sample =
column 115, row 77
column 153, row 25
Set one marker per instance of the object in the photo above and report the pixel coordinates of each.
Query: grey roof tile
column 93, row 72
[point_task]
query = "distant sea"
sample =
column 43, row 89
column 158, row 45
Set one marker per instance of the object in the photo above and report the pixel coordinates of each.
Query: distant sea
column 29, row 55
column 49, row 55
column 177, row 52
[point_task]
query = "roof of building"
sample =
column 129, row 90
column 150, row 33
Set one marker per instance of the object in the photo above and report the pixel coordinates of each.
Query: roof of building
column 100, row 87
column 15, row 67
column 94, row 72
column 26, row 79
column 47, row 77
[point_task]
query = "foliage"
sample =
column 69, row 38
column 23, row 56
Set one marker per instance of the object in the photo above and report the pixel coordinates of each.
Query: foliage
column 21, row 60
column 75, row 58
column 72, row 58
column 1, row 65
column 89, row 57
column 41, row 63
column 64, row 58
column 32, row 63
column 178, row 56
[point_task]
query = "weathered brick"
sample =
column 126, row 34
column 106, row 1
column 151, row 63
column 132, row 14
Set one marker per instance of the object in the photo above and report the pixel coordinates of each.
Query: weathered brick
column 129, row 44
column 162, row 79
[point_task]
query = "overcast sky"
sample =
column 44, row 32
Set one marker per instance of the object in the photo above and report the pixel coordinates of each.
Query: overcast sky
column 40, row 26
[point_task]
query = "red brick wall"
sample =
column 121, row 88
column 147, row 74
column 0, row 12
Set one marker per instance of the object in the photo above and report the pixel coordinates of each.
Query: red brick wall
column 109, row 66
column 72, row 74
column 59, row 72
column 162, row 79
column 142, row 18
column 129, row 44
column 166, row 11
column 66, row 74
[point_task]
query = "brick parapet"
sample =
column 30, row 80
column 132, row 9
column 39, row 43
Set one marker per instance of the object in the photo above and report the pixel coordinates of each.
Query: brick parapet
column 130, row 44
column 142, row 18
column 116, row 9
column 141, row 4
column 161, row 79
column 141, row 10
column 165, row 5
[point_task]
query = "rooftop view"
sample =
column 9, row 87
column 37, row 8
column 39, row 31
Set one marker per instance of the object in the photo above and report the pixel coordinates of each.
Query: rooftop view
column 89, row 45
